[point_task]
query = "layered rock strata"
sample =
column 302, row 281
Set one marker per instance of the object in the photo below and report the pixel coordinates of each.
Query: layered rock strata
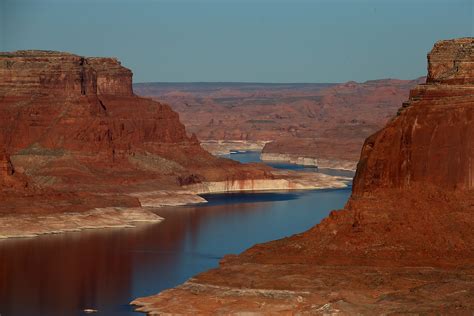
column 224, row 147
column 404, row 244
column 315, row 121
column 75, row 138
column 26, row 73
column 309, row 161
column 323, row 153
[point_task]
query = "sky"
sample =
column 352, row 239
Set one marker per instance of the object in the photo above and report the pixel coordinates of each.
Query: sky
column 242, row 40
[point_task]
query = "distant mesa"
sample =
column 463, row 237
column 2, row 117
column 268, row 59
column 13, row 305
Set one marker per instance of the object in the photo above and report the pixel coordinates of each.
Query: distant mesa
column 326, row 122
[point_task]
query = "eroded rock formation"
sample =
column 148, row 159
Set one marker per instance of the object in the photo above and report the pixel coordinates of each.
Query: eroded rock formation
column 328, row 122
column 28, row 73
column 404, row 242
column 73, row 133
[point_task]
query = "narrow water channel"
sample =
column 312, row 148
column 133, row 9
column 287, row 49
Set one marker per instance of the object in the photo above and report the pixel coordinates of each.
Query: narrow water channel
column 106, row 269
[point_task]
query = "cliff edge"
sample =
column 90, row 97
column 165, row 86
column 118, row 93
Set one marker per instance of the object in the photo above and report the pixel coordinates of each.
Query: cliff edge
column 404, row 242
column 74, row 137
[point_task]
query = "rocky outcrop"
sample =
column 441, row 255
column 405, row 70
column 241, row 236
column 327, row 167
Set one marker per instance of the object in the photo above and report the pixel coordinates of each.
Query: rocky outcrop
column 75, row 138
column 450, row 62
column 412, row 200
column 287, row 158
column 404, row 242
column 59, row 101
column 32, row 72
column 431, row 141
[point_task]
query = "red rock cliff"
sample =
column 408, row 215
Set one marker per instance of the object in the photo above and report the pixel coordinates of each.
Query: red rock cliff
column 431, row 141
column 54, row 103
column 72, row 123
column 404, row 244
column 412, row 200
column 48, row 72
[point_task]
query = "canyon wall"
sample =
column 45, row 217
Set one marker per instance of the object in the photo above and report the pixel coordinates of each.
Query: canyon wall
column 72, row 129
column 431, row 141
column 412, row 193
column 404, row 244
column 63, row 101
column 30, row 72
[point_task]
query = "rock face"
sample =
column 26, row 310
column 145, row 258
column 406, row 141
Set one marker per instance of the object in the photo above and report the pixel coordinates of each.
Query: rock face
column 338, row 154
column 61, row 101
column 404, row 242
column 318, row 121
column 6, row 168
column 450, row 62
column 73, row 132
column 28, row 73
column 432, row 139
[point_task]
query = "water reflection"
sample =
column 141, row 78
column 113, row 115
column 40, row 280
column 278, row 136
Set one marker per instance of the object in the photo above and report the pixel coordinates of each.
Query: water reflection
column 106, row 269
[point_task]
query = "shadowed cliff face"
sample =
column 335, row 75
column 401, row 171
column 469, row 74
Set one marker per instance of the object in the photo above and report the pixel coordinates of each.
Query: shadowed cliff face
column 404, row 242
column 70, row 123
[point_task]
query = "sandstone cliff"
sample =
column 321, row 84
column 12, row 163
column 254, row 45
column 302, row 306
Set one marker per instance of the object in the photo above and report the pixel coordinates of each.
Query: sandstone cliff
column 33, row 72
column 72, row 129
column 404, row 242
column 432, row 138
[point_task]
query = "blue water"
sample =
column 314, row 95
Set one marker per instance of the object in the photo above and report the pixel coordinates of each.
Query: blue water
column 106, row 269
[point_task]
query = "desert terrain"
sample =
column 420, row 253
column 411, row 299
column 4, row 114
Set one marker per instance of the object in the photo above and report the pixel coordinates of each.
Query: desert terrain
column 314, row 124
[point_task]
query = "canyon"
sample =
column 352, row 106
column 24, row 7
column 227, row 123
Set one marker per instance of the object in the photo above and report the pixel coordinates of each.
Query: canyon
column 307, row 123
column 403, row 244
column 80, row 150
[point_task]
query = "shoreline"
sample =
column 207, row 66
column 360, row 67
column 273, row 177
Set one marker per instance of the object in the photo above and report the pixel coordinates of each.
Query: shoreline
column 28, row 226
column 33, row 225
column 221, row 147
column 344, row 165
column 289, row 180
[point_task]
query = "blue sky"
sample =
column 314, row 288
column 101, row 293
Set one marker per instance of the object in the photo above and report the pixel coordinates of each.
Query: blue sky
column 246, row 41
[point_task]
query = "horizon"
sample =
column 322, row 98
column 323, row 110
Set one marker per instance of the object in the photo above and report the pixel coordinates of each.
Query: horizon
column 242, row 41
column 275, row 83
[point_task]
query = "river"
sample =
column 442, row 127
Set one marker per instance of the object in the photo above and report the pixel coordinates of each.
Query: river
column 106, row 269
